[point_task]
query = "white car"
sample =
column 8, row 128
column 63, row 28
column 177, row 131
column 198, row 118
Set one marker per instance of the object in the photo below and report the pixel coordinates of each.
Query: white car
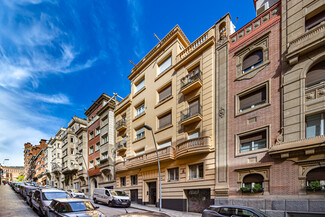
column 111, row 197
column 76, row 194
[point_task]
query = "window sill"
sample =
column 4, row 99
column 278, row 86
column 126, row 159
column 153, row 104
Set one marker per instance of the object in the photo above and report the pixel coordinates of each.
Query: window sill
column 164, row 101
column 251, row 109
column 164, row 128
column 252, row 152
column 138, row 117
column 251, row 73
column 137, row 140
column 139, row 91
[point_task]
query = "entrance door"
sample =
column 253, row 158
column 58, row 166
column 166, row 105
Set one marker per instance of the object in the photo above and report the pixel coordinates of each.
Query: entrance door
column 198, row 199
column 134, row 195
column 152, row 192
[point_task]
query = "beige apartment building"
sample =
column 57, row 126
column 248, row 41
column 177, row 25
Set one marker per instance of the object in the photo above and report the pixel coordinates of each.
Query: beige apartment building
column 56, row 143
column 179, row 89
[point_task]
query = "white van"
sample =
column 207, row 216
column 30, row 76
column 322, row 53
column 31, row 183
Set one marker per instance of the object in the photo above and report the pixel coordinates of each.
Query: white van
column 111, row 197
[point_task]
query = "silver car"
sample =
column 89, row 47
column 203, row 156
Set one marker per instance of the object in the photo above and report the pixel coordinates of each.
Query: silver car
column 235, row 211
column 73, row 207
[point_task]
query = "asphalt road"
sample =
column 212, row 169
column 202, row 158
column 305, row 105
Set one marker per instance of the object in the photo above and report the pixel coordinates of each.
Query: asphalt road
column 13, row 205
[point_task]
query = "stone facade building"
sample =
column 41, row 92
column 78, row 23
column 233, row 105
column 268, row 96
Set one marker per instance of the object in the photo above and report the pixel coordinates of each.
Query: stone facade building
column 57, row 178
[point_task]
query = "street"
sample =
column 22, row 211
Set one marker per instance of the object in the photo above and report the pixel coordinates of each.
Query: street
column 13, row 205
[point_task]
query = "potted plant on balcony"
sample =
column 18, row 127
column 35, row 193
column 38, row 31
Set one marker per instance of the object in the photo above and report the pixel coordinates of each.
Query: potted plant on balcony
column 314, row 186
column 257, row 188
column 246, row 190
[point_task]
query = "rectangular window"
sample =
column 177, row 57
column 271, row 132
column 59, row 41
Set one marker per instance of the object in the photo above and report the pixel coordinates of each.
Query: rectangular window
column 164, row 144
column 140, row 133
column 123, row 181
column 97, row 146
column 196, row 171
column 97, row 161
column 165, row 65
column 105, row 155
column 140, row 152
column 71, row 139
column 165, row 120
column 91, row 164
column 139, row 86
column 315, row 20
column 165, row 93
column 194, row 135
column 58, row 155
column 252, row 99
column 97, row 131
column 140, row 110
column 315, row 125
column 173, row 174
column 58, row 145
column 91, row 149
column 105, row 139
column 91, row 135
column 134, row 180
column 252, row 141
column 194, row 107
column 72, row 151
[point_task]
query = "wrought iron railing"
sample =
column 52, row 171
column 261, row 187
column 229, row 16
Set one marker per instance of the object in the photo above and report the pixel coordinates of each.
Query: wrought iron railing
column 190, row 112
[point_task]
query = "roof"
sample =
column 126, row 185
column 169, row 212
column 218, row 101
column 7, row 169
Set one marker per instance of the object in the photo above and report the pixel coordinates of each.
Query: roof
column 96, row 103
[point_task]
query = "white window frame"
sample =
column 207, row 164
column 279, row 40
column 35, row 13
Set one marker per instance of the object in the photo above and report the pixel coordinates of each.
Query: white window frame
column 91, row 149
column 97, row 161
column 197, row 168
column 165, row 65
column 140, row 110
column 140, row 133
column 174, row 170
column 139, row 86
column 321, row 125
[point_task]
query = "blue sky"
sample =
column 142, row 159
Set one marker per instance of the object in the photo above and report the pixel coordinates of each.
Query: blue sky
column 58, row 56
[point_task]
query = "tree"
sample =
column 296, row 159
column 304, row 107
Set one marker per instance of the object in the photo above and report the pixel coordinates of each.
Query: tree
column 20, row 178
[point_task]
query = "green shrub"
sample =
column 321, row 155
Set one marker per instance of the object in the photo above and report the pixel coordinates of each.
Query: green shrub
column 257, row 188
column 315, row 186
column 245, row 189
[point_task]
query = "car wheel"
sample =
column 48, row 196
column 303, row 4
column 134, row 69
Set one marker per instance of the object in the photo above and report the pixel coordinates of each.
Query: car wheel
column 40, row 213
column 95, row 201
column 109, row 203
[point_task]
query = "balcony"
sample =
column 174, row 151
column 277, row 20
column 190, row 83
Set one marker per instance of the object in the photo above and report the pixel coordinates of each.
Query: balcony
column 191, row 115
column 69, row 170
column 191, row 82
column 121, row 146
column 105, row 163
column 120, row 166
column 121, row 125
column 150, row 158
column 195, row 146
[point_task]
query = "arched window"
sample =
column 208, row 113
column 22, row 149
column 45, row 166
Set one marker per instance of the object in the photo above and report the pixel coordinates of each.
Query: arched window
column 316, row 179
column 222, row 30
column 252, row 60
column 253, row 183
column 316, row 74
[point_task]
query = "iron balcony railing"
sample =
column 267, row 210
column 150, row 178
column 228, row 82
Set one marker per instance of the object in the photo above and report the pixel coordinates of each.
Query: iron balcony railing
column 121, row 123
column 191, row 77
column 190, row 112
column 121, row 144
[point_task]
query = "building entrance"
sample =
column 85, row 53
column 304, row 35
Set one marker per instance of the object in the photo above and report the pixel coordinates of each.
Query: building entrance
column 134, row 195
column 198, row 199
column 152, row 192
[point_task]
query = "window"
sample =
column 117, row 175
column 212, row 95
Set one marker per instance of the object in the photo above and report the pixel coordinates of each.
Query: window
column 97, row 131
column 97, row 161
column 72, row 163
column 252, row 141
column 173, row 174
column 80, row 167
column 91, row 135
column 140, row 110
column 123, row 181
column 134, row 180
column 165, row 65
column 91, row 164
column 316, row 74
column 58, row 155
column 104, row 155
column 71, row 139
column 194, row 135
column 315, row 125
column 91, row 150
column 58, row 145
column 139, row 86
column 194, row 107
column 165, row 93
column 71, row 151
column 315, row 20
column 165, row 120
column 140, row 152
column 253, row 183
column 97, row 146
column 164, row 144
column 316, row 179
column 105, row 139
column 196, row 171
column 253, row 99
column 252, row 60
column 140, row 133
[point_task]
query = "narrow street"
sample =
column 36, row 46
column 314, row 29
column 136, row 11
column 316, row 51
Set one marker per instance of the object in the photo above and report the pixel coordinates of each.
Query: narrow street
column 13, row 205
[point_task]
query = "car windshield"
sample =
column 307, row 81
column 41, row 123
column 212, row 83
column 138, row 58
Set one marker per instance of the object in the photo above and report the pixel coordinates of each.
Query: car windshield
column 76, row 206
column 118, row 193
column 54, row 195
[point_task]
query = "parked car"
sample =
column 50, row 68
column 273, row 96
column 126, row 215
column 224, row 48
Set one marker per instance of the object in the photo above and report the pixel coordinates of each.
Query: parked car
column 76, row 194
column 42, row 198
column 145, row 214
column 73, row 207
column 225, row 211
column 27, row 193
column 112, row 197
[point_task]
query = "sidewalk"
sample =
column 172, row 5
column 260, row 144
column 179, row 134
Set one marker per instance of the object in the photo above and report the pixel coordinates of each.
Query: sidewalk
column 172, row 213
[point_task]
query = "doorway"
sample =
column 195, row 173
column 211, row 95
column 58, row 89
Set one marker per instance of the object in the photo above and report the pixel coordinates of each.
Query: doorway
column 152, row 192
column 198, row 199
column 134, row 195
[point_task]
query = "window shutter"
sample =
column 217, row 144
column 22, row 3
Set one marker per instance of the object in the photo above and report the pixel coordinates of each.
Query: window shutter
column 256, row 178
column 315, row 20
column 253, row 98
column 316, row 74
column 165, row 93
column 165, row 120
column 194, row 107
column 253, row 137
column 253, row 59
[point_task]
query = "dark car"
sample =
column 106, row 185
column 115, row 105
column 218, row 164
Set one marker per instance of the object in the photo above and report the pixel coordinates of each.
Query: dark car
column 73, row 207
column 233, row 211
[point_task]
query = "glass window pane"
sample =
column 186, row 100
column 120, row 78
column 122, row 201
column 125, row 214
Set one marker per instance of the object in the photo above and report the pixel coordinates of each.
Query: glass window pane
column 313, row 126
column 165, row 65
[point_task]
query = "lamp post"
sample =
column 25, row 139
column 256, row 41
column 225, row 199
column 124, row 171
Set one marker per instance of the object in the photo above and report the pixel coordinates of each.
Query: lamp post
column 80, row 154
column 154, row 140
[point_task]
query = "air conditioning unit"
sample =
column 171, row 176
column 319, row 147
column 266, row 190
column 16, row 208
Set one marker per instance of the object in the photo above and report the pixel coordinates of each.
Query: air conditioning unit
column 262, row 8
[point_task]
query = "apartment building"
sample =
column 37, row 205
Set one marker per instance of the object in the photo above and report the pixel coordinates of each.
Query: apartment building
column 94, row 143
column 173, row 92
column 70, row 163
column 56, row 143
column 27, row 156
column 47, row 162
column 11, row 173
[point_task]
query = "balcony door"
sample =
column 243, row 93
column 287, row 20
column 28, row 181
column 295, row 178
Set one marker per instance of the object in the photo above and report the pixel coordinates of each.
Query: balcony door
column 194, row 107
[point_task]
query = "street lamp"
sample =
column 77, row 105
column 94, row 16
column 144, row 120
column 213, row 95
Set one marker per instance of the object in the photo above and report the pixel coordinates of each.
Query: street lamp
column 87, row 172
column 153, row 136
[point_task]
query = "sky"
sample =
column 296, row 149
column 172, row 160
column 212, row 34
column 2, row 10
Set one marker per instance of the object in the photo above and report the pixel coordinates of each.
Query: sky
column 56, row 57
